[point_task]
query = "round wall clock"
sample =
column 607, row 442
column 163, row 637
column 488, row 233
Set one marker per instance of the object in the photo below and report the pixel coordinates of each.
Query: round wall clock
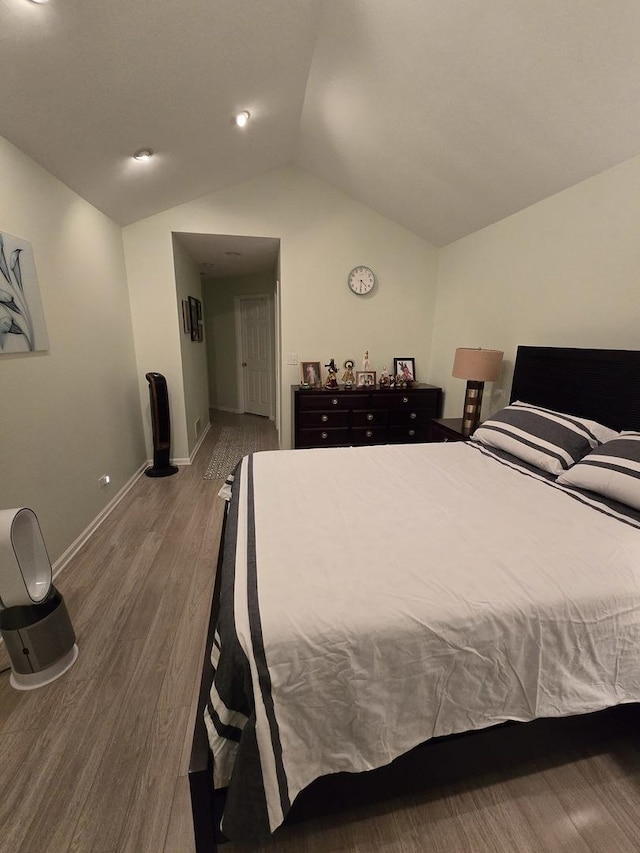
column 361, row 280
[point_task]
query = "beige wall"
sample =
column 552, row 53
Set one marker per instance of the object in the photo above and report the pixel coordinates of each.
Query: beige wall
column 219, row 299
column 323, row 234
column 193, row 353
column 564, row 272
column 71, row 414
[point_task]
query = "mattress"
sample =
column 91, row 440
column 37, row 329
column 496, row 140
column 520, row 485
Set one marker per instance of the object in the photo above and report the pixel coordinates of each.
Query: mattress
column 373, row 598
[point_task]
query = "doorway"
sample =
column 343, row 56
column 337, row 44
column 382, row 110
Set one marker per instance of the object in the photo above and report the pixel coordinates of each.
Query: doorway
column 255, row 354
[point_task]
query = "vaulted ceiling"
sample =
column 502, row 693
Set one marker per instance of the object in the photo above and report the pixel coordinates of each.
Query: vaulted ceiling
column 443, row 116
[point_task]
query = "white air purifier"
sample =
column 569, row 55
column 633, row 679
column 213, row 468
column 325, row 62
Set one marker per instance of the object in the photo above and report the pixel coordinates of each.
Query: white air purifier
column 34, row 621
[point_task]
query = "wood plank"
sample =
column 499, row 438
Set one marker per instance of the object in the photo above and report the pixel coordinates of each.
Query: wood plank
column 180, row 830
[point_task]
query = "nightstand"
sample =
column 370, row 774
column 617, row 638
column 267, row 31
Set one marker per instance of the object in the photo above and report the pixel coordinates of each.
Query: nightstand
column 447, row 429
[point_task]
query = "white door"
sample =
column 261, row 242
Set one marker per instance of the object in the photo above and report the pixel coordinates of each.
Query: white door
column 255, row 325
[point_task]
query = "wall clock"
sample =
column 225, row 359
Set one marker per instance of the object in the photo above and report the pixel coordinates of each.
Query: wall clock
column 361, row 280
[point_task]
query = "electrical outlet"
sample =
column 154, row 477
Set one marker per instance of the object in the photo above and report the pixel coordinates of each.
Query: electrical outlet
column 104, row 480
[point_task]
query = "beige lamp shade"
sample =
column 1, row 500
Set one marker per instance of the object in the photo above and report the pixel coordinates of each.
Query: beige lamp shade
column 481, row 365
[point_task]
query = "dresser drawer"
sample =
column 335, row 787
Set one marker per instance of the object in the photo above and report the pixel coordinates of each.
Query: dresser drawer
column 408, row 399
column 319, row 418
column 409, row 417
column 369, row 417
column 330, row 437
column 369, row 435
column 408, row 434
column 327, row 400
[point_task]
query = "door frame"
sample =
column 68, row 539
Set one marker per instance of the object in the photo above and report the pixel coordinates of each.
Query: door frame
column 273, row 377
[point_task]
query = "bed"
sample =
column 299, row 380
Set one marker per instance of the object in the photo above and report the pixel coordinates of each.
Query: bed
column 372, row 599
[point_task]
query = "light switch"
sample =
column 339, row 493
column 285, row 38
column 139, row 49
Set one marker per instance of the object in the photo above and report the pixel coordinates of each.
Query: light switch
column 292, row 358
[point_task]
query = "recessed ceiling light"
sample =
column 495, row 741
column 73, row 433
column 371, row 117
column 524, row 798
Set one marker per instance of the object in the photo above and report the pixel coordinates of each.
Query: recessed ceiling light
column 39, row 1
column 242, row 118
column 143, row 154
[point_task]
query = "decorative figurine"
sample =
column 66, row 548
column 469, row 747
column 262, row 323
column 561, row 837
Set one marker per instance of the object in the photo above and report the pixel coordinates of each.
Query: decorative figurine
column 331, row 382
column 365, row 362
column 348, row 377
column 384, row 378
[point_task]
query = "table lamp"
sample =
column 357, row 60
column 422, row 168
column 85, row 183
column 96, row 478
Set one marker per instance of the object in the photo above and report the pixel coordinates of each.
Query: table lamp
column 477, row 366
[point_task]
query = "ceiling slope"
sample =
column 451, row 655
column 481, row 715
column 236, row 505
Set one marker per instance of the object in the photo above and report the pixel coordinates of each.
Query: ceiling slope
column 444, row 117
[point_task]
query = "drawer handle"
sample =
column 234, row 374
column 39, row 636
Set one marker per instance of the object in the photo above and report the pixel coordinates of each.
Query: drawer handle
column 369, row 433
column 405, row 399
column 369, row 417
column 325, row 435
column 335, row 401
column 325, row 418
column 413, row 416
column 412, row 432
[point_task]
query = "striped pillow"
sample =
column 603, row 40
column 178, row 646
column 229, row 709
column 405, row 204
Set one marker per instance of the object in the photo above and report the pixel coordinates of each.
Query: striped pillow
column 549, row 440
column 612, row 470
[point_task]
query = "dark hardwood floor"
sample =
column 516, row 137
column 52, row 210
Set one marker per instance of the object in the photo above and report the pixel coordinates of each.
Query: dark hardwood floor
column 97, row 761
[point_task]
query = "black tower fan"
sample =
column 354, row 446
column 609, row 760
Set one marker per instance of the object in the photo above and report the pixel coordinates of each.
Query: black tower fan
column 161, row 427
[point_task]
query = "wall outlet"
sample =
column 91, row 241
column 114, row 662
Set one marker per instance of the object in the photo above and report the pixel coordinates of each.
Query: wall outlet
column 104, row 480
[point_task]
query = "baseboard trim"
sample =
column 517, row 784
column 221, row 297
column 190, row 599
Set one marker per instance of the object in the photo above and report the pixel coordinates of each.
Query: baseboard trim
column 199, row 442
column 227, row 409
column 77, row 544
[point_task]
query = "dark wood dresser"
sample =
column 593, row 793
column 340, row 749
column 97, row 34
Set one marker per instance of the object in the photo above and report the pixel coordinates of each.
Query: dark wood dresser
column 323, row 418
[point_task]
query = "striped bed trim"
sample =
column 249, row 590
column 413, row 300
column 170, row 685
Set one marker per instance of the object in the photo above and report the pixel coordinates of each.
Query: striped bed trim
column 264, row 678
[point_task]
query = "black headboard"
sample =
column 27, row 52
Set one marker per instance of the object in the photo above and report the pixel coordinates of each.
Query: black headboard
column 601, row 384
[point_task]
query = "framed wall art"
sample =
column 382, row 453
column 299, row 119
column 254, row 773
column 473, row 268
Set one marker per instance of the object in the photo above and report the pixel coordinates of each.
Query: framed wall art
column 22, row 326
column 195, row 319
column 186, row 319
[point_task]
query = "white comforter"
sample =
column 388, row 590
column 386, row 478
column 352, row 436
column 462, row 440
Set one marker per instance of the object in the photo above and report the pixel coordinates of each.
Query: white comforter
column 411, row 591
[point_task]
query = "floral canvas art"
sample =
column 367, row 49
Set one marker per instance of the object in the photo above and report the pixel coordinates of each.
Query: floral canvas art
column 22, row 326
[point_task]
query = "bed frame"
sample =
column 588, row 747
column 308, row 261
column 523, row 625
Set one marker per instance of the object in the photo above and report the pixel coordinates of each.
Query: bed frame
column 603, row 385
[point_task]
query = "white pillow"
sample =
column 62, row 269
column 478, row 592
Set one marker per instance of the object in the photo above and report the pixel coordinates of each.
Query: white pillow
column 550, row 440
column 612, row 470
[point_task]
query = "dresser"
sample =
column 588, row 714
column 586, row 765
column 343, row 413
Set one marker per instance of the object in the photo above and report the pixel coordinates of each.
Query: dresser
column 323, row 418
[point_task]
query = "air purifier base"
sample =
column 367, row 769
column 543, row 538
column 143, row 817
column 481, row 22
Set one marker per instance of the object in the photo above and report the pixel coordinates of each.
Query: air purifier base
column 31, row 680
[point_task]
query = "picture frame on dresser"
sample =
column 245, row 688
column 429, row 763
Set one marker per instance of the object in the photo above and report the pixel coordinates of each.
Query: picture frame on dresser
column 311, row 374
column 406, row 367
column 365, row 378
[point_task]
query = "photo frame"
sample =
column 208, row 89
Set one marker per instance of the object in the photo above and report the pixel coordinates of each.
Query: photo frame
column 405, row 367
column 186, row 319
column 311, row 374
column 195, row 319
column 365, row 379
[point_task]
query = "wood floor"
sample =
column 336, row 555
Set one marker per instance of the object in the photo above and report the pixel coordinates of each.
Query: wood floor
column 98, row 760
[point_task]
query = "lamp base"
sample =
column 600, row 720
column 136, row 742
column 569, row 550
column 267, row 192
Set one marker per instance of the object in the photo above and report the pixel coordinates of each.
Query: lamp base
column 472, row 406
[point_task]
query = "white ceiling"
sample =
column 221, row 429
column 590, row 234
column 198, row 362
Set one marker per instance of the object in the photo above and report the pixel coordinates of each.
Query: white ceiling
column 443, row 116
